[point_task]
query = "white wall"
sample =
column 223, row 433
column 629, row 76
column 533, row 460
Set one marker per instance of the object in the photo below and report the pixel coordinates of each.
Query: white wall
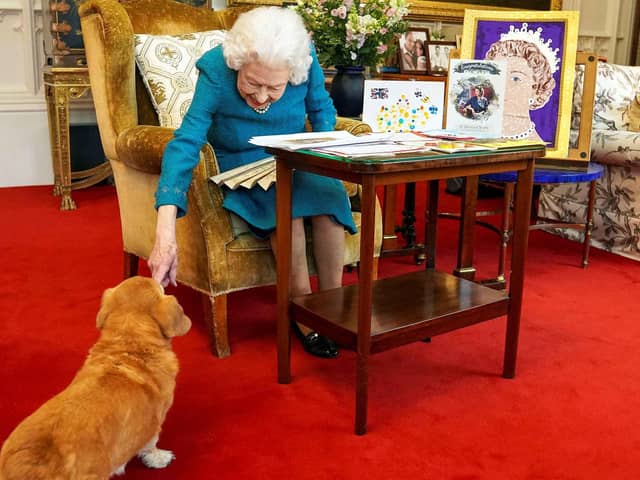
column 606, row 27
column 25, row 157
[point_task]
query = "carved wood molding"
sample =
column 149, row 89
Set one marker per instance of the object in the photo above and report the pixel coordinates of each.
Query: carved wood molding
column 454, row 12
column 427, row 10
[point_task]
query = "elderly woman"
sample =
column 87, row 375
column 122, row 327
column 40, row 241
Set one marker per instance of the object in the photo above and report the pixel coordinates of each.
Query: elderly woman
column 264, row 79
column 530, row 84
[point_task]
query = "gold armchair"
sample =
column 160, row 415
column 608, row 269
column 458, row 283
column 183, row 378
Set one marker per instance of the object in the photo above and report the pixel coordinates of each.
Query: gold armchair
column 211, row 259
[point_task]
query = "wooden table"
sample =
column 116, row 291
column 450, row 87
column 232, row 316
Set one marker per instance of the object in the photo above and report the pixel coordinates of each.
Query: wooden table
column 376, row 315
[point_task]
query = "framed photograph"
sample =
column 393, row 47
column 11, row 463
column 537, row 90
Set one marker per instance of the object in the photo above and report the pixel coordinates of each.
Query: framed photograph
column 540, row 51
column 439, row 53
column 412, row 51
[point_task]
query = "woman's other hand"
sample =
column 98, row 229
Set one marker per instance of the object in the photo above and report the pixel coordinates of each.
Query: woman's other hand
column 163, row 261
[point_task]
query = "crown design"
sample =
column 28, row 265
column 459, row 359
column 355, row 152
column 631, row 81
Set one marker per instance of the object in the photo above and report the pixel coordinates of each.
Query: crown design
column 531, row 36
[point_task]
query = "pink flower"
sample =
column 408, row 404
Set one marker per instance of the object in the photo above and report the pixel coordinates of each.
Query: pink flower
column 381, row 49
column 391, row 12
column 383, row 30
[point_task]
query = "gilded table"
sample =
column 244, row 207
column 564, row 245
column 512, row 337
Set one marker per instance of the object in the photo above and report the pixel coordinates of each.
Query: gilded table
column 61, row 85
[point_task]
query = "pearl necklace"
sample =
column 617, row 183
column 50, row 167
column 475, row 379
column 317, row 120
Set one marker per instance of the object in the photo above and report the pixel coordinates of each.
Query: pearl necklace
column 262, row 110
column 521, row 135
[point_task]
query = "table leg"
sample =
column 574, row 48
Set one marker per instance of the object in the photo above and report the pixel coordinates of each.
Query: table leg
column 283, row 267
column 465, row 268
column 407, row 229
column 54, row 136
column 431, row 223
column 506, row 231
column 365, row 286
column 588, row 227
column 522, row 215
column 58, row 111
column 389, row 235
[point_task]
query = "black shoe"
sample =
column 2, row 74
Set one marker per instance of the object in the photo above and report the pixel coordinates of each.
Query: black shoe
column 316, row 344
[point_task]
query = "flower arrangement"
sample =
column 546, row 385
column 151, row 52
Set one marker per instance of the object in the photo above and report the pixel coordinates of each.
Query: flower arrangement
column 354, row 32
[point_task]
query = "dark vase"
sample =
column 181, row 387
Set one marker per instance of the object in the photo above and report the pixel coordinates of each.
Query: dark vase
column 347, row 90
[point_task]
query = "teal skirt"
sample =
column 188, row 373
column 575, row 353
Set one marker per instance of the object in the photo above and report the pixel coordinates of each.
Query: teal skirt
column 312, row 195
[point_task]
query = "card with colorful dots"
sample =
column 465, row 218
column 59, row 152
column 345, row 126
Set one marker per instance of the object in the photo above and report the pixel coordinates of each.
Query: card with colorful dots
column 403, row 106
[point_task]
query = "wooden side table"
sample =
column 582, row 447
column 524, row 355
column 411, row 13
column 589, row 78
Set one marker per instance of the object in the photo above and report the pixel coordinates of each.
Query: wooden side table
column 61, row 85
column 377, row 315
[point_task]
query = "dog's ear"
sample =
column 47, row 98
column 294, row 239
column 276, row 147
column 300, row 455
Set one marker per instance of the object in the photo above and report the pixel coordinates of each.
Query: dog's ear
column 170, row 317
column 105, row 309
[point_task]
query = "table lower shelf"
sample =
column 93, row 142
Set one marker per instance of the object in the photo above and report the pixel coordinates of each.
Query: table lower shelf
column 405, row 309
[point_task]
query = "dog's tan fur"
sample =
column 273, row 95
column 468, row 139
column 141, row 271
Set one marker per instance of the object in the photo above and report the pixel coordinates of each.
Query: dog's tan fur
column 115, row 406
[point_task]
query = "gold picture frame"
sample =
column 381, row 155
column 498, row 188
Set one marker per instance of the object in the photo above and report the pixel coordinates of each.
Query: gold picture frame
column 454, row 11
column 440, row 11
column 236, row 3
column 486, row 34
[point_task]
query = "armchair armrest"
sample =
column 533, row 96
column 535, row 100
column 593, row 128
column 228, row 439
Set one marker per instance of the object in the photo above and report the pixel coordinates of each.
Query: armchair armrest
column 141, row 147
column 355, row 127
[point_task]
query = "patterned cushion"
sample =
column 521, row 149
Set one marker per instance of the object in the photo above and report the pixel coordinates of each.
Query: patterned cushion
column 616, row 148
column 616, row 87
column 168, row 67
column 633, row 114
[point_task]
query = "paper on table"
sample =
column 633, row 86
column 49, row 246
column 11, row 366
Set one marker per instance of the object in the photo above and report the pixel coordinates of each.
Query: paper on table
column 467, row 147
column 374, row 149
column 301, row 141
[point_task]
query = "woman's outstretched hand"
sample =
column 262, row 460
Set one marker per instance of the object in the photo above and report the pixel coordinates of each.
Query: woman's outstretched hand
column 163, row 261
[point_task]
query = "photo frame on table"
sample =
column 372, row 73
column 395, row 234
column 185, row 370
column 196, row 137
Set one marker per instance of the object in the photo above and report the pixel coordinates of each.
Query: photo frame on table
column 412, row 51
column 539, row 89
column 439, row 53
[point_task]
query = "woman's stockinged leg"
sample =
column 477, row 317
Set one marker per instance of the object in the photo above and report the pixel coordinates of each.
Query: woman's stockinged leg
column 300, row 285
column 328, row 251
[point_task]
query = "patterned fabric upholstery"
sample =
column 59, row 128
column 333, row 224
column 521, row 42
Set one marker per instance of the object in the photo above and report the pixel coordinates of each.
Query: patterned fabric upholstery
column 617, row 209
column 167, row 64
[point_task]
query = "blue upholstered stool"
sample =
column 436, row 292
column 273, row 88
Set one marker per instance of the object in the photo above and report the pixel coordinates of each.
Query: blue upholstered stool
column 543, row 176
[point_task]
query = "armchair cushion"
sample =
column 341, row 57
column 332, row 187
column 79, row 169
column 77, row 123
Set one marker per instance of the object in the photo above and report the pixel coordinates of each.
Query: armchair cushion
column 616, row 88
column 167, row 64
column 633, row 113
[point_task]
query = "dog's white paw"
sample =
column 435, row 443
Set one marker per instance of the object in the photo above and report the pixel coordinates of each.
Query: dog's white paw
column 157, row 458
column 119, row 470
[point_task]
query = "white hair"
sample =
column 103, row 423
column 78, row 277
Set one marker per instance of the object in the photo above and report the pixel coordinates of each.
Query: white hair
column 274, row 36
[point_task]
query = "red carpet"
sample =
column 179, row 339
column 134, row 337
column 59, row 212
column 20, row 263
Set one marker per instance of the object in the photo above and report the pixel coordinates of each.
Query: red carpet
column 436, row 411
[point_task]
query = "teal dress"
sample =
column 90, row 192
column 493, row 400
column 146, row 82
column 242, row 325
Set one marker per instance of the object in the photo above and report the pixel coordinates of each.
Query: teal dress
column 219, row 115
